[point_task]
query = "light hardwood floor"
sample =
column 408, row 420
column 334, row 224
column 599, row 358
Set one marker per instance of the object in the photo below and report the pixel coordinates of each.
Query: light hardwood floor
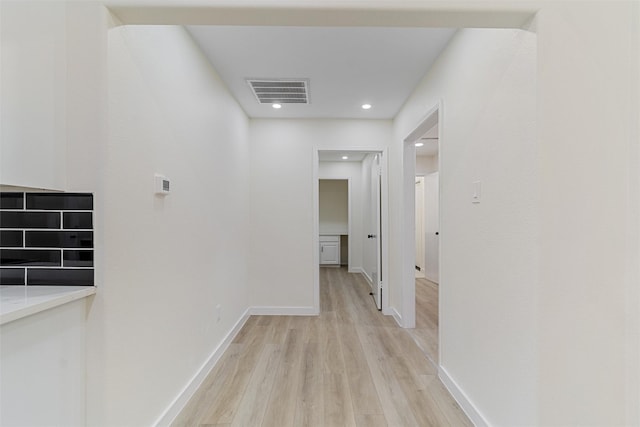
column 425, row 333
column 350, row 366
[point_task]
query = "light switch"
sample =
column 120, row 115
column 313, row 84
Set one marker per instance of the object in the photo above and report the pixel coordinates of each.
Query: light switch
column 477, row 192
column 162, row 185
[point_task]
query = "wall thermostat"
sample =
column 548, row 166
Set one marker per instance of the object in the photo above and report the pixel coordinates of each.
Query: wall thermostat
column 163, row 185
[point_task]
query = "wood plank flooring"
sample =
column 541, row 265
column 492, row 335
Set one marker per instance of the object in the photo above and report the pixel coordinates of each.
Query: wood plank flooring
column 350, row 366
column 425, row 333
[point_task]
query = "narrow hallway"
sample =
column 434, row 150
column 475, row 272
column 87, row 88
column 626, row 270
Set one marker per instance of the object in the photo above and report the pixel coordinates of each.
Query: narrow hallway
column 350, row 366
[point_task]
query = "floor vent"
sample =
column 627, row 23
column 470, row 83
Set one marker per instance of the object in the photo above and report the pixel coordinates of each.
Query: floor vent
column 281, row 91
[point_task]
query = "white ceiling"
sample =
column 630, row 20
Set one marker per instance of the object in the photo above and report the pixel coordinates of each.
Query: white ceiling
column 336, row 156
column 346, row 66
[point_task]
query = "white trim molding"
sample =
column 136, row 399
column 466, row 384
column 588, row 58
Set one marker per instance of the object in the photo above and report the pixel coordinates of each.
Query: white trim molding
column 463, row 400
column 283, row 311
column 178, row 404
column 366, row 277
column 391, row 311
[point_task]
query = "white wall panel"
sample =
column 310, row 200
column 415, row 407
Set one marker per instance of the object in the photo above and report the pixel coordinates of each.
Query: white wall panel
column 168, row 261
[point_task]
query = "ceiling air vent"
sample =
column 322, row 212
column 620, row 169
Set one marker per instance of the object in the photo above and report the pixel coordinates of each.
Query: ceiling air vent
column 281, row 91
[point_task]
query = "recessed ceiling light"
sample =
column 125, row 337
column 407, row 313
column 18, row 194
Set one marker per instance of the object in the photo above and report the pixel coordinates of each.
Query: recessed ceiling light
column 366, row 106
column 276, row 106
column 419, row 144
column 345, row 157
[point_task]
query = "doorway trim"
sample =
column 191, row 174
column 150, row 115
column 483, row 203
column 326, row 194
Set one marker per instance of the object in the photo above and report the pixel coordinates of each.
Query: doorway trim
column 433, row 116
column 315, row 238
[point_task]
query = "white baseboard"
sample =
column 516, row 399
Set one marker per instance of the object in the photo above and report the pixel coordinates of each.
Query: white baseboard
column 431, row 279
column 283, row 311
column 463, row 400
column 356, row 270
column 367, row 278
column 187, row 393
column 393, row 312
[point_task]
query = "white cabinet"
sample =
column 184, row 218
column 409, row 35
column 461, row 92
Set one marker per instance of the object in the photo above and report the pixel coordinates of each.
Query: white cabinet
column 330, row 250
column 33, row 82
column 44, row 363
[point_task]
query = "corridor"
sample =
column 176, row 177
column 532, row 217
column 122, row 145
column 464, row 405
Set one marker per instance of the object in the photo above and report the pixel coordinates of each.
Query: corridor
column 350, row 366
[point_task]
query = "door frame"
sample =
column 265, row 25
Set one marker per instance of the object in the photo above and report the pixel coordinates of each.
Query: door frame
column 433, row 116
column 384, row 224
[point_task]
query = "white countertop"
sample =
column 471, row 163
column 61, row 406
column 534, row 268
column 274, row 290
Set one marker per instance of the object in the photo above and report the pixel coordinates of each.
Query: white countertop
column 20, row 301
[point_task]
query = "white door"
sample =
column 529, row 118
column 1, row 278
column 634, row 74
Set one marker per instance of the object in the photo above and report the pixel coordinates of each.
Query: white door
column 420, row 257
column 375, row 234
column 432, row 227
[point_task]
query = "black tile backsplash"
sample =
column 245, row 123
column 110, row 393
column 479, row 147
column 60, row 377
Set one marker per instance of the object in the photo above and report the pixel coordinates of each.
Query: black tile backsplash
column 16, row 257
column 58, row 239
column 11, row 200
column 45, row 240
column 24, row 219
column 60, row 201
column 12, row 276
column 60, row 276
column 11, row 238
column 82, row 220
column 73, row 258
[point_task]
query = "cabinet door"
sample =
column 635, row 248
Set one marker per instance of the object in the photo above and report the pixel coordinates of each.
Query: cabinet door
column 33, row 103
column 329, row 253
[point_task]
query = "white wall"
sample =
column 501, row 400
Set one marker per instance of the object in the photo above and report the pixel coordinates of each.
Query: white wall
column 167, row 261
column 486, row 80
column 333, row 206
column 426, row 164
column 588, row 212
column 350, row 170
column 282, row 159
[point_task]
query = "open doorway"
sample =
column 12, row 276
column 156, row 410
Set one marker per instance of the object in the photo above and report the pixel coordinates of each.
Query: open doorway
column 421, row 296
column 427, row 218
column 365, row 175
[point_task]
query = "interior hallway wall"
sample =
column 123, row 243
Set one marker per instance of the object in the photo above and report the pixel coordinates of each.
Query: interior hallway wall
column 351, row 170
column 282, row 159
column 489, row 257
column 589, row 212
column 168, row 261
